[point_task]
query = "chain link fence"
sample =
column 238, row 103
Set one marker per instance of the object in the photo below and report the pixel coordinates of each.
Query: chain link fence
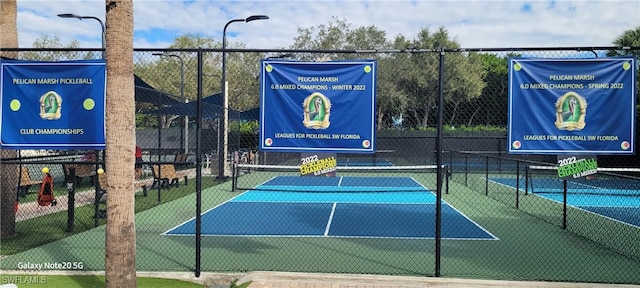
column 493, row 222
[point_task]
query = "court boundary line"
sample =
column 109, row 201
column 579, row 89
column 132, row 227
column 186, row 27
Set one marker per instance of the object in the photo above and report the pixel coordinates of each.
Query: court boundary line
column 605, row 216
column 573, row 206
column 328, row 226
column 203, row 212
column 550, row 191
column 591, row 212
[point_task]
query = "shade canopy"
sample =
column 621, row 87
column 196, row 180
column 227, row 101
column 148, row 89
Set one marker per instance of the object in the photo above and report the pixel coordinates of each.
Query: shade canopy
column 147, row 94
column 211, row 108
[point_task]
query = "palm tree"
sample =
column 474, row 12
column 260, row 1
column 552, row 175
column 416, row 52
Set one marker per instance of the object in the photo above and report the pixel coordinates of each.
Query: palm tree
column 629, row 38
column 8, row 173
column 120, row 260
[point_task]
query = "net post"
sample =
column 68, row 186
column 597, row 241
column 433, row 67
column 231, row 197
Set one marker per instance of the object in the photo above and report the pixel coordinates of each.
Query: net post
column 447, row 176
column 466, row 169
column 526, row 181
column 486, row 174
column 233, row 176
column 564, row 204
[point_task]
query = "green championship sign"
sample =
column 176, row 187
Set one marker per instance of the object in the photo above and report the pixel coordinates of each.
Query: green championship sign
column 576, row 166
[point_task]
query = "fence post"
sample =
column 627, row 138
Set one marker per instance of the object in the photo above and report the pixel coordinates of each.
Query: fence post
column 198, row 236
column 438, row 223
column 71, row 199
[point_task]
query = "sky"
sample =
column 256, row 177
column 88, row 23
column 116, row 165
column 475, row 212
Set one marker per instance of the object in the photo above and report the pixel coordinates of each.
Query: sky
column 473, row 24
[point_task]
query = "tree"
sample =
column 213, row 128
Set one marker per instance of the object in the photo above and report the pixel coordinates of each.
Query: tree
column 420, row 81
column 468, row 77
column 463, row 76
column 243, row 77
column 494, row 95
column 8, row 172
column 339, row 35
column 120, row 258
column 163, row 73
column 54, row 42
column 391, row 100
column 629, row 38
column 322, row 37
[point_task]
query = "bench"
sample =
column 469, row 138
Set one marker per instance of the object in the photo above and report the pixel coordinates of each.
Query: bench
column 26, row 182
column 181, row 158
column 82, row 171
column 165, row 176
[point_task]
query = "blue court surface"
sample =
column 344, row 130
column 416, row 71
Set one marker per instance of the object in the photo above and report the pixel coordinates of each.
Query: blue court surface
column 615, row 199
column 367, row 207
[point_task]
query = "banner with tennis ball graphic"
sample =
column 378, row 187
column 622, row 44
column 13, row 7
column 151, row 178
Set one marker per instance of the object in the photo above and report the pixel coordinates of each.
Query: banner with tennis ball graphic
column 572, row 106
column 318, row 106
column 52, row 105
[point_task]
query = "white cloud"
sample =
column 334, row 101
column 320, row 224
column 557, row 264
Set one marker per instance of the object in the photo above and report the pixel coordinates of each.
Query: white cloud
column 475, row 24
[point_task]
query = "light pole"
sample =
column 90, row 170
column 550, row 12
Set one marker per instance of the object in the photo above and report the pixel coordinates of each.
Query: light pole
column 69, row 15
column 185, row 126
column 104, row 49
column 222, row 157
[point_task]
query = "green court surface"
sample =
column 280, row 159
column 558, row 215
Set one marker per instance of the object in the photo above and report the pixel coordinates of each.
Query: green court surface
column 529, row 248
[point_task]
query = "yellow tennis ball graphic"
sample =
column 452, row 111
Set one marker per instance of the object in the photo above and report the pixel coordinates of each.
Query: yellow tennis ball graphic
column 14, row 105
column 517, row 67
column 626, row 66
column 100, row 171
column 367, row 69
column 269, row 68
column 45, row 170
column 88, row 104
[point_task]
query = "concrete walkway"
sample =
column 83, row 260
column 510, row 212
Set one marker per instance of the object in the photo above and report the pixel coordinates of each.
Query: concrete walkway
column 28, row 210
column 31, row 209
column 324, row 280
column 260, row 279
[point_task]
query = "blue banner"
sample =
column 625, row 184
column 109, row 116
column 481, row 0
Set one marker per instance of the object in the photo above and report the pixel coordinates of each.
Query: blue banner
column 572, row 106
column 52, row 105
column 318, row 106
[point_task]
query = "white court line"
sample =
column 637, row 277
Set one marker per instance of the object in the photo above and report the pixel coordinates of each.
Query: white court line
column 333, row 211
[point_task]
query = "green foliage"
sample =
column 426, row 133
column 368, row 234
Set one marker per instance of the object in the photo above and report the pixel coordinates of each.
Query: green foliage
column 54, row 42
column 463, row 128
column 493, row 99
column 479, row 128
column 234, row 284
column 243, row 135
column 628, row 38
column 249, row 127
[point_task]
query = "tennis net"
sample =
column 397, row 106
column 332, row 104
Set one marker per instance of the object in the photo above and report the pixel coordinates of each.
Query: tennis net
column 608, row 181
column 344, row 179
